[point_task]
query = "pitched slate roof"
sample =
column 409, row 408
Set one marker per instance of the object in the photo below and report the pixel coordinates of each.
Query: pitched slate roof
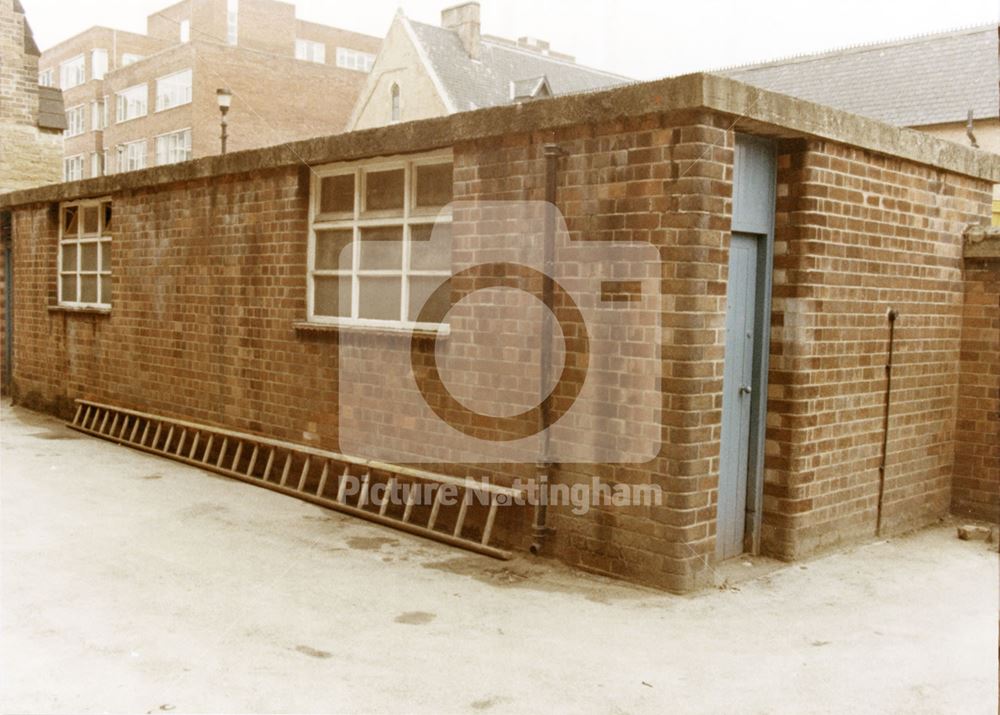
column 486, row 82
column 912, row 82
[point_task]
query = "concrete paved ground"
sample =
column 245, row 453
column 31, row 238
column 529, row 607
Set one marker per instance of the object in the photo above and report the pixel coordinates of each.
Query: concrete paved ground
column 134, row 584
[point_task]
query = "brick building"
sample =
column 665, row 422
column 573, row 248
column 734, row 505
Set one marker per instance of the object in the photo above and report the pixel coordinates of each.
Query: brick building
column 31, row 116
column 784, row 233
column 425, row 71
column 137, row 100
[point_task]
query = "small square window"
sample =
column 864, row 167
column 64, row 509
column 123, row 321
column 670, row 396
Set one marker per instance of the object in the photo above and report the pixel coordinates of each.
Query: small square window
column 330, row 250
column 384, row 190
column 434, row 185
column 337, row 194
column 382, row 248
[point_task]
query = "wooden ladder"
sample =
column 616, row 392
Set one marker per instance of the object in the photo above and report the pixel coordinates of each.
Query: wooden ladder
column 313, row 475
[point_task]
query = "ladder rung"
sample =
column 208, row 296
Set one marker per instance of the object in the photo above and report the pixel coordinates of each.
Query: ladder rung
column 135, row 428
column 180, row 443
column 145, row 433
column 435, row 508
column 236, row 458
column 411, row 498
column 114, row 423
column 104, row 422
column 322, row 477
column 208, row 449
column 363, row 496
column 170, row 437
column 222, row 451
column 304, row 474
column 460, row 521
column 156, row 437
column 490, row 518
column 253, row 461
column 270, row 463
column 342, row 487
column 284, row 471
column 385, row 496
column 85, row 412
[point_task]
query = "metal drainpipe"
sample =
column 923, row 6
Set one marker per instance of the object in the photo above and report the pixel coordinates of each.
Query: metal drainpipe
column 540, row 529
column 893, row 314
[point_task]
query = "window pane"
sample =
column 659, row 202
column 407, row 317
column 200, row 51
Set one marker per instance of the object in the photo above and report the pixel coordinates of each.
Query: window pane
column 88, row 289
column 430, row 247
column 337, row 194
column 378, row 297
column 88, row 256
column 332, row 296
column 69, row 220
column 384, row 190
column 434, row 185
column 69, row 257
column 382, row 248
column 105, row 250
column 107, row 215
column 90, row 214
column 421, row 288
column 330, row 250
column 69, row 288
column 105, row 284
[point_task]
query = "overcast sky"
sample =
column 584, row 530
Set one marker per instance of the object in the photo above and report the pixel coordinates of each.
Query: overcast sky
column 643, row 39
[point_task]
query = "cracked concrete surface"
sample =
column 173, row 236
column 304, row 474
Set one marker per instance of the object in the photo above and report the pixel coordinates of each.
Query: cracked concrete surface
column 134, row 584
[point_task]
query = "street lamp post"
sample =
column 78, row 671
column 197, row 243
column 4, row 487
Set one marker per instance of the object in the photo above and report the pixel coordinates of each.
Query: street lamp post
column 225, row 98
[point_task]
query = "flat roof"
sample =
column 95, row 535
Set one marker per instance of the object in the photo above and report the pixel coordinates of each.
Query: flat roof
column 752, row 109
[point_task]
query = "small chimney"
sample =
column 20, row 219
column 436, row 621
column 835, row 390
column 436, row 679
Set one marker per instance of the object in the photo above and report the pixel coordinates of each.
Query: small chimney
column 464, row 19
column 533, row 43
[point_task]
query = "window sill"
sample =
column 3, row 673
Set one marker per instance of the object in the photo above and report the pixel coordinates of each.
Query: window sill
column 400, row 332
column 86, row 310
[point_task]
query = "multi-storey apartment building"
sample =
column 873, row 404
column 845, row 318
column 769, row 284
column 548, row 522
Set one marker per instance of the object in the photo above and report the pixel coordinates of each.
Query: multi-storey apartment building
column 136, row 100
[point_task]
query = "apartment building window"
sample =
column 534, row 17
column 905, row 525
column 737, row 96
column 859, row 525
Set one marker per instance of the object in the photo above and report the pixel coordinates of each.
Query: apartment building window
column 131, row 103
column 129, row 58
column 98, row 63
column 310, row 51
column 72, row 73
column 98, row 114
column 132, row 156
column 173, row 90
column 173, row 147
column 45, row 78
column 95, row 164
column 232, row 21
column 75, row 118
column 73, row 168
column 354, row 60
column 185, row 30
column 85, row 254
column 380, row 241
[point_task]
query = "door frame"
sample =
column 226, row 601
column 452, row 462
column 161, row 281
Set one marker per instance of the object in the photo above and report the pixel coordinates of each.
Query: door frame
column 754, row 195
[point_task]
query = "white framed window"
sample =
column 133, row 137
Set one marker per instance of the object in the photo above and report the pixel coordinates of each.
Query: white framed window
column 98, row 63
column 173, row 90
column 396, row 105
column 310, row 51
column 232, row 21
column 75, row 119
column 85, row 253
column 72, row 73
column 173, row 147
column 379, row 240
column 73, row 168
column 354, row 59
column 129, row 58
column 98, row 114
column 185, row 30
column 131, row 103
column 132, row 156
column 46, row 77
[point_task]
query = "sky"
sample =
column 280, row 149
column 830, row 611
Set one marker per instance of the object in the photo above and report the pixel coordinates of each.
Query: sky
column 643, row 39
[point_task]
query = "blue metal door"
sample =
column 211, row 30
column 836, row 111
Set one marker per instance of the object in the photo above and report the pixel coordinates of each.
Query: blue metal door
column 737, row 391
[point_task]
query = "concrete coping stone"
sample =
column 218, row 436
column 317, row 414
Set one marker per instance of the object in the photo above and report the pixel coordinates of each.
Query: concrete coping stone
column 752, row 109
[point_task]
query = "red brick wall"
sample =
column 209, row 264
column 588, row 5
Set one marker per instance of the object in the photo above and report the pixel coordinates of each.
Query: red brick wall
column 858, row 234
column 209, row 280
column 976, row 486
